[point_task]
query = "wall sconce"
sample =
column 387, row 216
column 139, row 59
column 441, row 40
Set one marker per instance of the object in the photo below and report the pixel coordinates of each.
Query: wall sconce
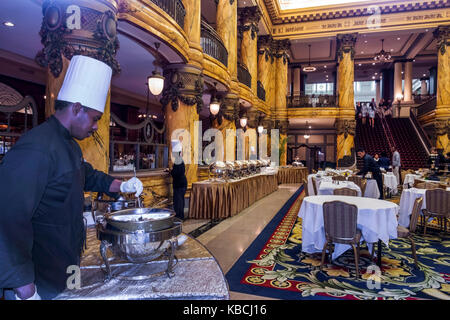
column 399, row 97
column 243, row 121
column 306, row 135
column 214, row 106
column 156, row 80
column 260, row 129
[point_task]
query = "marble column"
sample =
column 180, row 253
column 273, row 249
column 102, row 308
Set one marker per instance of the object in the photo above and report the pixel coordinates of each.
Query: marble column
column 442, row 120
column 398, row 91
column 90, row 30
column 377, row 91
column 346, row 99
column 192, row 28
column 297, row 82
column 249, row 18
column 225, row 121
column 182, row 102
column 265, row 58
column 280, row 95
column 408, row 82
column 423, row 86
column 226, row 27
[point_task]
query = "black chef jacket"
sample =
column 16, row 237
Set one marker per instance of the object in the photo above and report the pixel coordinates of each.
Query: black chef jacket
column 178, row 176
column 42, row 179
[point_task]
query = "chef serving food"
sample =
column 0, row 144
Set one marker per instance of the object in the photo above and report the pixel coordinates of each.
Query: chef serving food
column 43, row 178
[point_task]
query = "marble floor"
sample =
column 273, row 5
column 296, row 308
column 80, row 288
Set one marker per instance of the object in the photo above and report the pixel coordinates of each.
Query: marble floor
column 228, row 240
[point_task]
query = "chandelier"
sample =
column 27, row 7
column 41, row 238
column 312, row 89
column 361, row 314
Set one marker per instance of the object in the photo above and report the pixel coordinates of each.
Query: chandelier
column 309, row 68
column 382, row 56
column 156, row 81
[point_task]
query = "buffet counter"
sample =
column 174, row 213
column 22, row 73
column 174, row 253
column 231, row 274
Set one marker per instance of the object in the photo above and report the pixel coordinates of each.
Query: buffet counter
column 197, row 275
column 220, row 199
column 292, row 174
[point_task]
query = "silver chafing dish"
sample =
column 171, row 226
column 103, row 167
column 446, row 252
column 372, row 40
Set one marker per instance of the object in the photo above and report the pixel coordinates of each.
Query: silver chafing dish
column 219, row 170
column 242, row 167
column 253, row 166
column 233, row 169
column 297, row 164
column 139, row 235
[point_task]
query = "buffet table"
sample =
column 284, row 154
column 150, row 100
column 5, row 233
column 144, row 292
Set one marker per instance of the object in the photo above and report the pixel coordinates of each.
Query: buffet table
column 197, row 275
column 292, row 174
column 220, row 199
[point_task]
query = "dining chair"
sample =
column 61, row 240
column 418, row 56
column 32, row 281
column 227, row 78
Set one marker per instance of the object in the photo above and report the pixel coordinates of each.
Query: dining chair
column 314, row 183
column 438, row 206
column 407, row 233
column 338, row 178
column 360, row 182
column 339, row 219
column 345, row 192
column 305, row 187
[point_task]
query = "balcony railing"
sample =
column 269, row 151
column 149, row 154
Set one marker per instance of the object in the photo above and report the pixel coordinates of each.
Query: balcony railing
column 174, row 8
column 261, row 92
column 320, row 101
column 212, row 44
column 244, row 76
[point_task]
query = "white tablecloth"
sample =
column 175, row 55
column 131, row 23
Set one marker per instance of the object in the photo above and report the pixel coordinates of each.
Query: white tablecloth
column 327, row 187
column 390, row 181
column 409, row 179
column 372, row 189
column 319, row 179
column 407, row 203
column 376, row 219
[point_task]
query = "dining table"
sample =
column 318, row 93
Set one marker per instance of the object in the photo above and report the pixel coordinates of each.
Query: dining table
column 377, row 220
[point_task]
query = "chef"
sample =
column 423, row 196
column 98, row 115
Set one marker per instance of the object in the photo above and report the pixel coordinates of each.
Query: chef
column 43, row 178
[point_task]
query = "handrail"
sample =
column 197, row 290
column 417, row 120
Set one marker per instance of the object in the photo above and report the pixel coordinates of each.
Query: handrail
column 322, row 101
column 426, row 107
column 387, row 133
column 174, row 8
column 422, row 135
column 212, row 44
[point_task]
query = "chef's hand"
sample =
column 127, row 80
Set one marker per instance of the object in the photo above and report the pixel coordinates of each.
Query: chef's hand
column 132, row 185
column 27, row 292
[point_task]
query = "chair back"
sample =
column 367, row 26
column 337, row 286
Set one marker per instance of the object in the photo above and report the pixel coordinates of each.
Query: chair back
column 357, row 180
column 305, row 186
column 338, row 178
column 345, row 192
column 314, row 183
column 438, row 201
column 415, row 214
column 339, row 219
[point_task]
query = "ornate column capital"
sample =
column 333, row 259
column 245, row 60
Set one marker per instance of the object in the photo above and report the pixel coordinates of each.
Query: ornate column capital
column 281, row 47
column 282, row 126
column 182, row 82
column 265, row 44
column 442, row 127
column 442, row 35
column 345, row 127
column 345, row 44
column 249, row 18
column 73, row 28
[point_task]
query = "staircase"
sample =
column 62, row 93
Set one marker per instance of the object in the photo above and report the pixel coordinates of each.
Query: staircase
column 396, row 131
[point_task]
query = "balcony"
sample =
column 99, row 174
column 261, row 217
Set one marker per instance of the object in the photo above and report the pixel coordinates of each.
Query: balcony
column 314, row 101
column 174, row 8
column 261, row 92
column 212, row 44
column 244, row 76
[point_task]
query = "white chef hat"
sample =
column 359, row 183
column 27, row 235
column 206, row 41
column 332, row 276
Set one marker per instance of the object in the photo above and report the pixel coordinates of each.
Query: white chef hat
column 176, row 146
column 87, row 81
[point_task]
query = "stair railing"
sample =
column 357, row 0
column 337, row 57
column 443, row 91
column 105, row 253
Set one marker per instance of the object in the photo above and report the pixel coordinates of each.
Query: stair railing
column 420, row 132
column 387, row 133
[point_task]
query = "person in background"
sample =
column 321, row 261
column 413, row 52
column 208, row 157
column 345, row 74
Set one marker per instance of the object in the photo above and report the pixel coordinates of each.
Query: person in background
column 43, row 179
column 376, row 157
column 384, row 161
column 380, row 109
column 179, row 181
column 372, row 107
column 388, row 109
column 396, row 163
column 364, row 112
column 370, row 165
column 358, row 111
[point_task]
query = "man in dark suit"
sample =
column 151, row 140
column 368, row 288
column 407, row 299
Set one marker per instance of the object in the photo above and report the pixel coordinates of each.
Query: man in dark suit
column 370, row 165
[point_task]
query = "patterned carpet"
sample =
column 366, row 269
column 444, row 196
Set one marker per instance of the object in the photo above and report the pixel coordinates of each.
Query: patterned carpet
column 274, row 266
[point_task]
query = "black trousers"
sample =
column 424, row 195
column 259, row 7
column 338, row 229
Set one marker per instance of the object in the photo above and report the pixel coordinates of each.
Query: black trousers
column 178, row 202
column 379, row 179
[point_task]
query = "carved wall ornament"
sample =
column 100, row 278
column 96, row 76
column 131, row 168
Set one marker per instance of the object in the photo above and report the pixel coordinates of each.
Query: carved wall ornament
column 442, row 127
column 442, row 35
column 97, row 37
column 182, row 85
column 346, row 127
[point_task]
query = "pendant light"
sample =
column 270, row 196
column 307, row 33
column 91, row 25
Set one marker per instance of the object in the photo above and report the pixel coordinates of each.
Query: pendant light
column 214, row 106
column 306, row 135
column 309, row 68
column 382, row 56
column 156, row 80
